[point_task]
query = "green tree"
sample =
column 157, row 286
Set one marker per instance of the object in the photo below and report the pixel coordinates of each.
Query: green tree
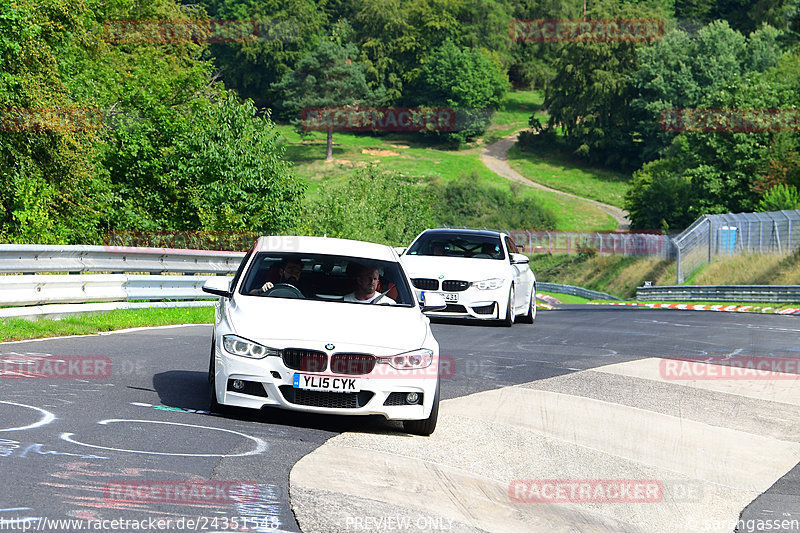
column 463, row 79
column 590, row 95
column 287, row 31
column 234, row 174
column 679, row 71
column 726, row 171
column 659, row 197
column 51, row 188
column 329, row 77
column 371, row 205
column 780, row 197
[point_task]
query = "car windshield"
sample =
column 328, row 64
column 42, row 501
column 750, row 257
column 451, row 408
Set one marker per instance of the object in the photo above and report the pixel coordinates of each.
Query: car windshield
column 458, row 245
column 326, row 278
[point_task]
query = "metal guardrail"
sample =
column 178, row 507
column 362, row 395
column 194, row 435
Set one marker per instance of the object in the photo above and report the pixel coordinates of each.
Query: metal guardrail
column 43, row 289
column 34, row 258
column 721, row 293
column 575, row 291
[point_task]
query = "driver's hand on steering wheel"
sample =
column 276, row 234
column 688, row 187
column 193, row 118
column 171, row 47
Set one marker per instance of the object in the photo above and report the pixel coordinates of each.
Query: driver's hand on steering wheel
column 267, row 286
column 264, row 288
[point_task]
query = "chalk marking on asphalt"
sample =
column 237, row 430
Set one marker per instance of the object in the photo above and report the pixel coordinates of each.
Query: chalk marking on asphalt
column 47, row 417
column 261, row 445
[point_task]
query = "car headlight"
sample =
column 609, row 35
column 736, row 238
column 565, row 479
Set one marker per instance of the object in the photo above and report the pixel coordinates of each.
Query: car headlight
column 410, row 360
column 238, row 346
column 488, row 284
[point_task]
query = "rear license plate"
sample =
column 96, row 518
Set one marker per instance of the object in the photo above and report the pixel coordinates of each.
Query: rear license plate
column 326, row 383
column 450, row 297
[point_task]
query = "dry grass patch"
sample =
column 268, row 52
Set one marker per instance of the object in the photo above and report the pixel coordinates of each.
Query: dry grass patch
column 751, row 269
column 375, row 151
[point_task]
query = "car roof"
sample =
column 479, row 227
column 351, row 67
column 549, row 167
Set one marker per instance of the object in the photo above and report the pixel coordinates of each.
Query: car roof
column 325, row 245
column 456, row 231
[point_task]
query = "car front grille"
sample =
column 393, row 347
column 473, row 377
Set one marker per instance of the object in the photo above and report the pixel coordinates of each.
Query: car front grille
column 330, row 400
column 455, row 285
column 352, row 363
column 305, row 360
column 455, row 308
column 426, row 284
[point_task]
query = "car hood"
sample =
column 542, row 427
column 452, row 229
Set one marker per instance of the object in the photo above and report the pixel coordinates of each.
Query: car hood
column 462, row 268
column 282, row 322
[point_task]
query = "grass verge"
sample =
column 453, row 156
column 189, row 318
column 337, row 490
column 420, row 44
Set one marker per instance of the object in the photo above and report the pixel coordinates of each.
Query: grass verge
column 21, row 329
column 409, row 155
column 566, row 298
column 559, row 172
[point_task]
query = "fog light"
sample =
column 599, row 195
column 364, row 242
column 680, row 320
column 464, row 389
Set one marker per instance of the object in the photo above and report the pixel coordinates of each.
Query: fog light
column 412, row 398
column 238, row 384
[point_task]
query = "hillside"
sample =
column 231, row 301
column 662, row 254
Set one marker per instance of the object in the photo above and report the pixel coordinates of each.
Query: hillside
column 620, row 275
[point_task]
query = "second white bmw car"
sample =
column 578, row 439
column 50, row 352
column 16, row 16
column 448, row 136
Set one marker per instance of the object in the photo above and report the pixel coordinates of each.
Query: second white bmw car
column 478, row 272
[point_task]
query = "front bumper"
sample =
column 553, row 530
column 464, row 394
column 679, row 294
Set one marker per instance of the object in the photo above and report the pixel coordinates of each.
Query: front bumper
column 472, row 303
column 269, row 384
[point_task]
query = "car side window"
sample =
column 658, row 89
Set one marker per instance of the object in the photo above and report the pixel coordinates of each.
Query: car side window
column 239, row 270
column 512, row 248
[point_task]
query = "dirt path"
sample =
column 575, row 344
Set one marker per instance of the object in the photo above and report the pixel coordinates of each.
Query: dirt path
column 495, row 157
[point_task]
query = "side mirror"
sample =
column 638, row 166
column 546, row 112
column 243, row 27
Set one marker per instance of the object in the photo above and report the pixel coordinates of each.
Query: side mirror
column 218, row 286
column 519, row 259
column 433, row 301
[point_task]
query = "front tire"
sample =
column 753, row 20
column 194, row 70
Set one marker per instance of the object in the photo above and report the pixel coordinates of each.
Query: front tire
column 509, row 320
column 531, row 314
column 425, row 427
column 213, row 405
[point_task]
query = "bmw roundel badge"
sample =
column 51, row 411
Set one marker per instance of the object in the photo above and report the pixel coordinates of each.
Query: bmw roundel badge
column 329, row 346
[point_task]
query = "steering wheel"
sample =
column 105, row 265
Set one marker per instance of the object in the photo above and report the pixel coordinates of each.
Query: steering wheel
column 284, row 290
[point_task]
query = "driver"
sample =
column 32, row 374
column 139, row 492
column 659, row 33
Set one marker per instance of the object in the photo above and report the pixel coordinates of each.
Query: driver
column 289, row 272
column 366, row 288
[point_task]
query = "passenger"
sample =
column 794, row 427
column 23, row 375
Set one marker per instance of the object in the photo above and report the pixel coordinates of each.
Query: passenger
column 489, row 249
column 366, row 288
column 289, row 271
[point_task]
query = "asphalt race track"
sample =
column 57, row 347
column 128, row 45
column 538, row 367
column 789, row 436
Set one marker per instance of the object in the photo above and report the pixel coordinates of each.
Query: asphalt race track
column 77, row 447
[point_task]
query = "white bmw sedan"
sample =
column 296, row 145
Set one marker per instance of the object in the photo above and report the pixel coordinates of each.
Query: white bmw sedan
column 325, row 326
column 479, row 273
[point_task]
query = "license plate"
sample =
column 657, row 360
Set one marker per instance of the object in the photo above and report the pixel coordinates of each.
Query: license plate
column 326, row 383
column 450, row 297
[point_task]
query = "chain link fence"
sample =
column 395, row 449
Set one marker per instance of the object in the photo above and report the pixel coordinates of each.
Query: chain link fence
column 773, row 232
